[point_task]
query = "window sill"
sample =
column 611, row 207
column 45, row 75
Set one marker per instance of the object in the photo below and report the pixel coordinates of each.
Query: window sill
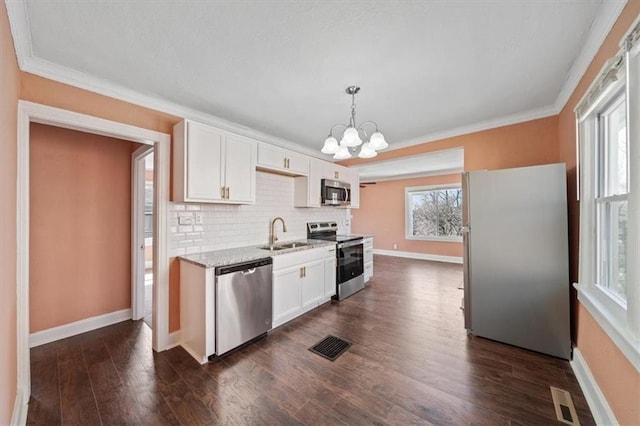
column 617, row 329
column 439, row 239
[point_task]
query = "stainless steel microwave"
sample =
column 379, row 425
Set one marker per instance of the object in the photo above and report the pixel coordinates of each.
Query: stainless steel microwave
column 335, row 193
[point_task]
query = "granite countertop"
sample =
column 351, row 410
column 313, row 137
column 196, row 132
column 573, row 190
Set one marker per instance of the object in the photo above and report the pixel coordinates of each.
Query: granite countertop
column 212, row 259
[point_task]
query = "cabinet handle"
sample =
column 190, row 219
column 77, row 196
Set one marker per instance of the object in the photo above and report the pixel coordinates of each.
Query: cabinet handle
column 304, row 268
column 288, row 163
column 227, row 192
column 222, row 192
column 285, row 162
column 301, row 273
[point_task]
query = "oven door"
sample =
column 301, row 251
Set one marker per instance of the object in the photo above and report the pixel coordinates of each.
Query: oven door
column 350, row 260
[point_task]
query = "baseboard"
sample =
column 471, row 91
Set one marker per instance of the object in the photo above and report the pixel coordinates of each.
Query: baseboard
column 174, row 340
column 600, row 409
column 78, row 327
column 20, row 408
column 423, row 256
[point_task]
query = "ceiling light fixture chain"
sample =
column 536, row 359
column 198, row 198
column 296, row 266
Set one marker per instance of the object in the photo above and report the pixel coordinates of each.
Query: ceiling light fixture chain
column 351, row 138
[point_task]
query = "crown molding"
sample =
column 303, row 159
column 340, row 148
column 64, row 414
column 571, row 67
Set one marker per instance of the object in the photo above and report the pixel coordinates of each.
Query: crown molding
column 600, row 28
column 477, row 127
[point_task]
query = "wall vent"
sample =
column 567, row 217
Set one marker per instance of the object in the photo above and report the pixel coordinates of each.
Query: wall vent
column 565, row 410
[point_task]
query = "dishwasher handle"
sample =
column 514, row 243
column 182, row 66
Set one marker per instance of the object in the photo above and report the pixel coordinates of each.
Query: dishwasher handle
column 248, row 271
column 243, row 267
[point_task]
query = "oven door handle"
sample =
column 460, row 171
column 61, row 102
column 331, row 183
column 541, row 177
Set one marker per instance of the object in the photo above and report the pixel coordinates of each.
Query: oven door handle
column 351, row 244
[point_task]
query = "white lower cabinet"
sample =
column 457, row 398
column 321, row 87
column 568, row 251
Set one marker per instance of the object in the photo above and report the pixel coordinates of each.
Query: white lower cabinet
column 368, row 258
column 299, row 282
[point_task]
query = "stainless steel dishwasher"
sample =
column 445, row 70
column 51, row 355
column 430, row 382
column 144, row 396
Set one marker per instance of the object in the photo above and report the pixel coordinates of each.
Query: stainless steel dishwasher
column 243, row 303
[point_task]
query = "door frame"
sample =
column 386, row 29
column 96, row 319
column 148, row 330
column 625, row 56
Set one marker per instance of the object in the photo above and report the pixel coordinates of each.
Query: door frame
column 138, row 170
column 29, row 112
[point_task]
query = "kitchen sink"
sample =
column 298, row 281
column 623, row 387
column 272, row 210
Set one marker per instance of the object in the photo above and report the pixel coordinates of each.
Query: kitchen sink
column 285, row 246
column 293, row 245
column 273, row 248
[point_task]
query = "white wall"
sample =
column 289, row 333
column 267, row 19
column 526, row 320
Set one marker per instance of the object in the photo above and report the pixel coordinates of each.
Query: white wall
column 227, row 226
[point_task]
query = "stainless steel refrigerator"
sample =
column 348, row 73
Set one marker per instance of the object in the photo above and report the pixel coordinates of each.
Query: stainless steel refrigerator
column 516, row 278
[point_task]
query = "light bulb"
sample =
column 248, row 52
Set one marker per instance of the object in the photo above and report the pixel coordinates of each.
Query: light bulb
column 330, row 146
column 342, row 154
column 366, row 151
column 350, row 138
column 377, row 141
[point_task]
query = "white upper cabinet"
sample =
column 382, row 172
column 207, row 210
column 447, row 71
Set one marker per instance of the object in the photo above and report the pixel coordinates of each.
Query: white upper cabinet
column 212, row 166
column 273, row 158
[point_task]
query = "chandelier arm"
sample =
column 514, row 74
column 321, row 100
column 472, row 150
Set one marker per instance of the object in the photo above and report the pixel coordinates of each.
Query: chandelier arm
column 336, row 125
column 367, row 122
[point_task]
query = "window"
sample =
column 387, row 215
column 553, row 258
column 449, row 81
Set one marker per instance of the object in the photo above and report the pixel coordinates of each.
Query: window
column 608, row 136
column 611, row 198
column 434, row 213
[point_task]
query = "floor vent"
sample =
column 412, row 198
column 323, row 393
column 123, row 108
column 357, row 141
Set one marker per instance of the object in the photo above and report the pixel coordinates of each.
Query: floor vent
column 565, row 410
column 331, row 347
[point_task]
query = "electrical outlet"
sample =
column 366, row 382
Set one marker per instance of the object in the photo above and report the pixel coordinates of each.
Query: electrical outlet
column 198, row 218
column 185, row 220
column 395, row 246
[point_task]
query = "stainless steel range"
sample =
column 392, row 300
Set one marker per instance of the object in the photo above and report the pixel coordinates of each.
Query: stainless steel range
column 349, row 254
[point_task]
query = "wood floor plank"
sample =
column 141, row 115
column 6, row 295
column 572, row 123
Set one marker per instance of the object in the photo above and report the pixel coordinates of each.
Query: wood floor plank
column 411, row 362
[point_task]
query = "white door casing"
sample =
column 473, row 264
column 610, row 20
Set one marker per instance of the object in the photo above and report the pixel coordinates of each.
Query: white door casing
column 29, row 112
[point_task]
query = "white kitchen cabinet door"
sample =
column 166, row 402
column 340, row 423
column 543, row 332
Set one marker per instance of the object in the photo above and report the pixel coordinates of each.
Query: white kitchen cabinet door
column 240, row 167
column 330, row 276
column 286, row 295
column 282, row 160
column 203, row 172
column 312, row 283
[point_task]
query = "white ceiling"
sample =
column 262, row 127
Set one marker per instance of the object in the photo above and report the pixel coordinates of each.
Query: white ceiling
column 433, row 163
column 280, row 67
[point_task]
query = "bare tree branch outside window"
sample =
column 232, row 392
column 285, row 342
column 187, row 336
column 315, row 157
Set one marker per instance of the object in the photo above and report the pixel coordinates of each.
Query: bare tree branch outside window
column 436, row 213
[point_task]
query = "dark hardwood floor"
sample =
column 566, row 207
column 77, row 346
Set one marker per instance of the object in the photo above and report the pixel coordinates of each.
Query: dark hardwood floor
column 411, row 362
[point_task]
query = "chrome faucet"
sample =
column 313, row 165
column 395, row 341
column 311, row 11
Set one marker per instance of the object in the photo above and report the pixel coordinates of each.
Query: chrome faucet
column 272, row 236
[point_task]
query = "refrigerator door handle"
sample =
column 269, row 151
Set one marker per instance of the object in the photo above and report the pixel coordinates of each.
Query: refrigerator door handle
column 466, row 272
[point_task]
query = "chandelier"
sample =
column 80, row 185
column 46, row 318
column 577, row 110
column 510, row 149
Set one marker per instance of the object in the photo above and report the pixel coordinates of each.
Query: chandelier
column 351, row 136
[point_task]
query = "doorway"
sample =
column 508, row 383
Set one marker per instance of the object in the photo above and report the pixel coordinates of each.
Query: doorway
column 29, row 112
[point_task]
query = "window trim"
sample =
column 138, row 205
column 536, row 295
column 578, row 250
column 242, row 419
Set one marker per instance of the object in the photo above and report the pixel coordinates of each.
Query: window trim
column 407, row 212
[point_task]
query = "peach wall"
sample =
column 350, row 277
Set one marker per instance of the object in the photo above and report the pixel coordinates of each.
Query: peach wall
column 9, row 92
column 523, row 144
column 617, row 378
column 386, row 200
column 80, row 226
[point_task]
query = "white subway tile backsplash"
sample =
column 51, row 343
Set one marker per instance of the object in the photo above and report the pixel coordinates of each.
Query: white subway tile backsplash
column 227, row 226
